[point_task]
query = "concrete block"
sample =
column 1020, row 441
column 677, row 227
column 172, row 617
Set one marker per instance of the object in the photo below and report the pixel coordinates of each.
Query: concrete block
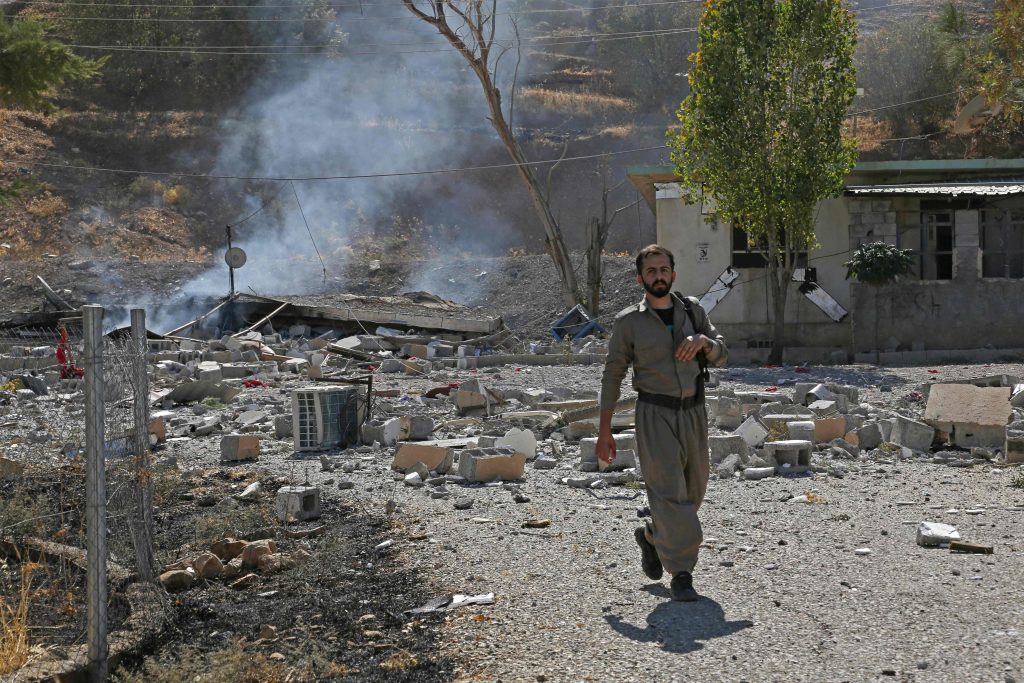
column 723, row 446
column 755, row 473
column 391, row 365
column 209, row 370
column 752, row 431
column 912, row 434
column 803, row 430
column 800, row 390
column 776, row 421
column 972, row 416
column 824, row 408
column 468, row 400
column 436, row 458
column 574, row 431
column 869, row 436
column 415, row 351
column 792, row 455
column 828, row 428
column 1013, row 446
column 728, row 413
column 237, row 447
column 625, row 459
column 491, row 464
column 385, row 433
column 415, row 427
column 297, row 503
column 523, row 440
column 588, row 446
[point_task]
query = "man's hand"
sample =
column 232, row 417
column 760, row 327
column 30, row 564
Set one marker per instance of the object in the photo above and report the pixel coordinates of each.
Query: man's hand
column 605, row 447
column 691, row 346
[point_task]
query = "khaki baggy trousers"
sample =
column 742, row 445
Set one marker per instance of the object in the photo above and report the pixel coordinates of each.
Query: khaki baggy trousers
column 672, row 446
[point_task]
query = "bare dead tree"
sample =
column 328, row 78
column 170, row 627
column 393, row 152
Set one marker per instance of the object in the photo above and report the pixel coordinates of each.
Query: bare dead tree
column 597, row 234
column 470, row 27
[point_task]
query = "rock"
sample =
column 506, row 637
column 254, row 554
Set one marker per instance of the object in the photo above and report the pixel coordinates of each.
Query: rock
column 912, row 434
column 252, row 552
column 326, row 464
column 346, row 485
column 463, row 503
column 267, row 632
column 178, row 580
column 247, row 581
column 236, row 447
column 727, row 468
column 228, row 549
column 275, row 562
column 232, row 568
column 545, row 463
column 522, row 440
column 252, row 492
column 208, row 566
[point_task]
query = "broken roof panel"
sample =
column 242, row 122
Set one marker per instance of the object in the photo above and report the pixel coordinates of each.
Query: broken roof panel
column 990, row 188
column 413, row 310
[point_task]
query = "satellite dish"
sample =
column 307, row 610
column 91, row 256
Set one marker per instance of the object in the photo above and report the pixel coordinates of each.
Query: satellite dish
column 234, row 257
column 974, row 114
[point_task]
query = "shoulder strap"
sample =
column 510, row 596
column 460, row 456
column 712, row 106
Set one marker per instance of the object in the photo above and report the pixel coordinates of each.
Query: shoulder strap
column 704, row 375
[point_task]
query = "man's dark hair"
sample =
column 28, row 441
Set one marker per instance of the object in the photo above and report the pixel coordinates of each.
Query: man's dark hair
column 651, row 250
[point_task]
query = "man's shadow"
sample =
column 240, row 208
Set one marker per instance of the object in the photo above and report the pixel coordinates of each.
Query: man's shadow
column 679, row 626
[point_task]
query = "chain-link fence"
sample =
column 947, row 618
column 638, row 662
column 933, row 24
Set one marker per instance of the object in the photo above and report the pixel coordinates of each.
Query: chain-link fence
column 75, row 486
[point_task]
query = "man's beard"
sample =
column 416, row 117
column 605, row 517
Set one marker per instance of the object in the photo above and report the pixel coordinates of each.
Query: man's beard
column 658, row 288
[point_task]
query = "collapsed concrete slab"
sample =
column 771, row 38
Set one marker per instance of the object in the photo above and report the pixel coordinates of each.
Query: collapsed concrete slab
column 972, row 416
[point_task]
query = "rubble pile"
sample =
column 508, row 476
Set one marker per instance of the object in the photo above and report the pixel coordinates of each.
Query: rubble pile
column 825, row 428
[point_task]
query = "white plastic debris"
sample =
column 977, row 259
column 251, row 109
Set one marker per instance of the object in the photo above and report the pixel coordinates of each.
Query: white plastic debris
column 862, row 551
column 931, row 534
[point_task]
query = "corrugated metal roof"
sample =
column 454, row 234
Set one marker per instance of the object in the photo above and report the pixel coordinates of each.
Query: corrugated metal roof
column 953, row 190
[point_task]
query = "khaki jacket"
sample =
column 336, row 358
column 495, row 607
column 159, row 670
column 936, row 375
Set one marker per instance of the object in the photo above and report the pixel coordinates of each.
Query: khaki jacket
column 642, row 340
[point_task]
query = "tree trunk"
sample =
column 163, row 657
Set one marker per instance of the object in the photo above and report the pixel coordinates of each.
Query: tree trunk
column 778, row 286
column 553, row 233
column 595, row 245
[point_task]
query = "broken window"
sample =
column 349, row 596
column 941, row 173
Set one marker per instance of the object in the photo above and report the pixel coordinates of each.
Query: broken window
column 1002, row 243
column 936, row 249
column 746, row 256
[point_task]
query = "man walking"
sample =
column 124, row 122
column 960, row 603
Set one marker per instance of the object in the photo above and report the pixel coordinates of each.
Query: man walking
column 669, row 341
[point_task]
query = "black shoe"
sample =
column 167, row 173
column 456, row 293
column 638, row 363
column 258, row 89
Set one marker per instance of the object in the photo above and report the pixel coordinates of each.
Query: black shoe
column 649, row 560
column 682, row 588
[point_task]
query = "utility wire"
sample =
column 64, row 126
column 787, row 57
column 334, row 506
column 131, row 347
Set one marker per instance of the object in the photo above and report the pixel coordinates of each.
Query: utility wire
column 264, row 206
column 335, row 5
column 303, row 213
column 358, row 176
column 273, row 51
column 900, row 104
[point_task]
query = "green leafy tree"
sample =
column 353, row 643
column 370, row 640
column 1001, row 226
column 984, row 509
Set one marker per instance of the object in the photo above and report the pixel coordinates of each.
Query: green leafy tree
column 33, row 65
column 760, row 133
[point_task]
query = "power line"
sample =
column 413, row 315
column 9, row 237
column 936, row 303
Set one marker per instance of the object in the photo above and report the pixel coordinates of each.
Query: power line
column 334, row 5
column 358, row 176
column 900, row 104
column 550, row 41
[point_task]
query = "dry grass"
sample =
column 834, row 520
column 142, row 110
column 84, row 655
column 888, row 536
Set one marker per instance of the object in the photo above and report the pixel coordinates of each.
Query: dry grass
column 175, row 195
column 575, row 101
column 14, row 624
column 870, row 133
column 583, row 72
column 620, row 131
column 46, row 206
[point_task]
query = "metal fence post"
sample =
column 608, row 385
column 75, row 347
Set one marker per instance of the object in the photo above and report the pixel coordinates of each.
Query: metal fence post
column 95, row 493
column 142, row 526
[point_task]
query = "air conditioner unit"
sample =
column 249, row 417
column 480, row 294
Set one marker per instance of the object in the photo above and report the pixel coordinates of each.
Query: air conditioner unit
column 326, row 417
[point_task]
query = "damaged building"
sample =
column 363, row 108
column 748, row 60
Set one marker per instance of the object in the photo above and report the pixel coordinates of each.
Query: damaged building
column 963, row 220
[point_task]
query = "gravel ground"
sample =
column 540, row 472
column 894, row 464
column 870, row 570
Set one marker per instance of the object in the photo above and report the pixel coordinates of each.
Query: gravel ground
column 785, row 595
